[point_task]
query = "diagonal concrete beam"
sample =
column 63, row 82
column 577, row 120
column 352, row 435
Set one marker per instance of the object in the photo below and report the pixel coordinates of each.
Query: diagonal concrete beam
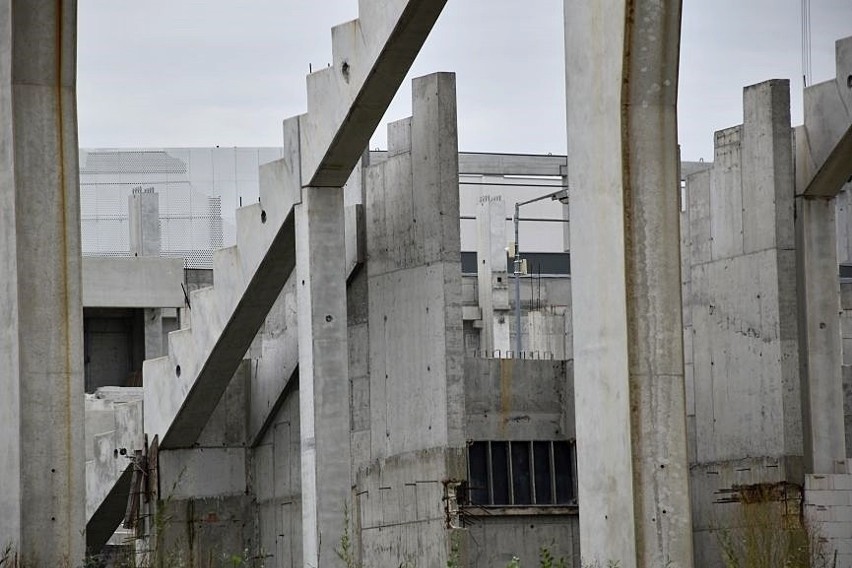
column 835, row 172
column 346, row 101
column 824, row 141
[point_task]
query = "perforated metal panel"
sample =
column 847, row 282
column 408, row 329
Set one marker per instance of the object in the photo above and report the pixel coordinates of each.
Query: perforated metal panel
column 190, row 214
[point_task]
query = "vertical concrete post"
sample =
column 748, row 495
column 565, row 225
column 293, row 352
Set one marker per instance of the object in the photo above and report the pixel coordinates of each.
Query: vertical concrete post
column 323, row 373
column 144, row 208
column 622, row 73
column 492, row 276
column 821, row 354
column 144, row 212
column 42, row 483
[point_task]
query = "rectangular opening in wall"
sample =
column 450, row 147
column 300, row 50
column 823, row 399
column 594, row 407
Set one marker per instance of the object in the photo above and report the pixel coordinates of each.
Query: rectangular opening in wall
column 521, row 478
column 543, row 479
column 563, row 467
column 478, row 478
column 499, row 473
column 521, row 473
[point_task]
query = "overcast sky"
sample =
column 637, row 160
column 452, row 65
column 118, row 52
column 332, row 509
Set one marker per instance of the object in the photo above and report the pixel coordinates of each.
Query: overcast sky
column 164, row 73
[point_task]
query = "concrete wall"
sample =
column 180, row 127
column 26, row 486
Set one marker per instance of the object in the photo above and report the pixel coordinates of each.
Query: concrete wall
column 516, row 399
column 828, row 507
column 139, row 282
column 276, row 486
column 495, row 540
column 846, row 369
column 205, row 510
column 414, row 292
column 740, row 314
column 545, row 318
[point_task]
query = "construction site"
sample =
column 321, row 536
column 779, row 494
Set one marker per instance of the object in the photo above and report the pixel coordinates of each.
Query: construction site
column 321, row 355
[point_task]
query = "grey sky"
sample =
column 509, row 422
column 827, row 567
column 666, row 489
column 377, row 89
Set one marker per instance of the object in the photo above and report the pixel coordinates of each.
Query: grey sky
column 216, row 72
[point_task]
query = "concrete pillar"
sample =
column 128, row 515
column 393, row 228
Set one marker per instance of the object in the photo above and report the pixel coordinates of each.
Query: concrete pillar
column 821, row 355
column 492, row 277
column 323, row 373
column 822, row 170
column 416, row 418
column 622, row 74
column 144, row 209
column 42, row 457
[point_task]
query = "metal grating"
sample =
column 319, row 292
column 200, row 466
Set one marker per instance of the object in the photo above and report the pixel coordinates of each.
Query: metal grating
column 190, row 218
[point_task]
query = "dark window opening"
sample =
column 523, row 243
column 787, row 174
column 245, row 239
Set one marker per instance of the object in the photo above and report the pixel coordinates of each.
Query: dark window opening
column 521, row 473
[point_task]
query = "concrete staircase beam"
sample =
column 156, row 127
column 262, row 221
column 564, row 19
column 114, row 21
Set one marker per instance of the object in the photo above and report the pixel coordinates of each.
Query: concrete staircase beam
column 346, row 101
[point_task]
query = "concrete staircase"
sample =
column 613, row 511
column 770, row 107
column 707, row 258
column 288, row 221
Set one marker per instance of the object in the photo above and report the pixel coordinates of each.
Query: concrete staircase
column 371, row 56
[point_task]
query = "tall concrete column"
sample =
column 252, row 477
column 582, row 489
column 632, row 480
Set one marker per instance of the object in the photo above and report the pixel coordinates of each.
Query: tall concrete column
column 144, row 210
column 42, row 484
column 492, row 277
column 622, row 74
column 323, row 373
column 144, row 213
column 820, row 349
column 823, row 147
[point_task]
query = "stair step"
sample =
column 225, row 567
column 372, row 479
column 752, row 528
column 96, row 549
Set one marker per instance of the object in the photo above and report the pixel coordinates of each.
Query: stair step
column 345, row 45
column 210, row 312
column 227, row 266
column 327, row 87
column 319, row 147
column 163, row 395
column 253, row 235
column 183, row 354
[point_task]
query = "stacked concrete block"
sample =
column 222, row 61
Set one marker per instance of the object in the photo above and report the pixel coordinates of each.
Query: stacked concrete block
column 828, row 510
column 740, row 313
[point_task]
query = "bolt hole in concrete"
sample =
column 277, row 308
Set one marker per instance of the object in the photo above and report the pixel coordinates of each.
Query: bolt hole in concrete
column 263, row 216
column 177, row 371
column 328, row 318
column 822, row 325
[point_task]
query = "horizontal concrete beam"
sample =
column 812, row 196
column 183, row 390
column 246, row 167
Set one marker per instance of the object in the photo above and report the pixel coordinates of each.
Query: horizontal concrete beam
column 835, row 172
column 136, row 282
column 489, row 164
column 472, row 163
